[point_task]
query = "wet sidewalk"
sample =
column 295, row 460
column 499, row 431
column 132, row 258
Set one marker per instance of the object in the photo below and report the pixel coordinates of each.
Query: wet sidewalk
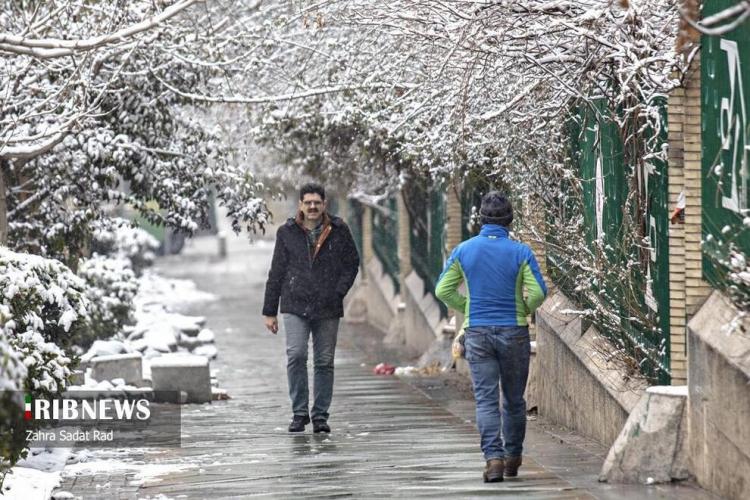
column 391, row 437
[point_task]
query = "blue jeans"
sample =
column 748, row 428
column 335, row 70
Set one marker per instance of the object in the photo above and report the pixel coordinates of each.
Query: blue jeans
column 324, row 334
column 499, row 353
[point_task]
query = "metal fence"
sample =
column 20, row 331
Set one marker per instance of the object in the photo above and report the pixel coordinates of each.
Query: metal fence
column 725, row 110
column 385, row 238
column 354, row 220
column 628, row 242
column 426, row 206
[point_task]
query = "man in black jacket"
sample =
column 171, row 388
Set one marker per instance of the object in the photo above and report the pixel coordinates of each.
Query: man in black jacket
column 314, row 264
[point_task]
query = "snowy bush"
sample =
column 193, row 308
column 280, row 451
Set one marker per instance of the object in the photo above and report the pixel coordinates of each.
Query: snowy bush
column 12, row 369
column 111, row 289
column 123, row 241
column 43, row 307
column 12, row 376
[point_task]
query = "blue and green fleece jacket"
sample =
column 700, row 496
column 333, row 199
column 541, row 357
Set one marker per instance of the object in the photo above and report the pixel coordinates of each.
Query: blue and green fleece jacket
column 495, row 270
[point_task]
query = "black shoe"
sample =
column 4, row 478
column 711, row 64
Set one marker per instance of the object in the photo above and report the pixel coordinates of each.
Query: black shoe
column 320, row 426
column 298, row 423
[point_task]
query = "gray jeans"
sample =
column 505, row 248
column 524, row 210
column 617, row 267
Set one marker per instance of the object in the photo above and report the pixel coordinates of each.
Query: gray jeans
column 324, row 334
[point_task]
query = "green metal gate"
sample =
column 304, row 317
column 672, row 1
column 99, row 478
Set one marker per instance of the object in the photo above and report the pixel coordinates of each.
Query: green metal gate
column 426, row 206
column 725, row 116
column 385, row 238
column 638, row 295
column 356, row 212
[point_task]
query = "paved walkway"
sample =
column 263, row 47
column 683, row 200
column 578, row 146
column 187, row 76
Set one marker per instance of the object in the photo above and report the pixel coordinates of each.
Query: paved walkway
column 391, row 437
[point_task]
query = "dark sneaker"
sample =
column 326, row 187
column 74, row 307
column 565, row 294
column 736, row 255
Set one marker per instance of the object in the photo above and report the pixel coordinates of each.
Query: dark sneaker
column 298, row 423
column 493, row 472
column 320, row 426
column 511, row 466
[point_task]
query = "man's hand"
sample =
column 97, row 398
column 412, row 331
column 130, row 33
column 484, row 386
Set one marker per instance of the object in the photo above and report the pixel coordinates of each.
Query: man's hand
column 271, row 323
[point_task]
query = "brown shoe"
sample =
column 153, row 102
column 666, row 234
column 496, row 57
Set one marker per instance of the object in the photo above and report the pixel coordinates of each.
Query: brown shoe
column 493, row 471
column 511, row 466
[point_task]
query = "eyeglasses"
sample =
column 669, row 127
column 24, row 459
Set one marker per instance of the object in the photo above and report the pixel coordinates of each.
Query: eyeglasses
column 312, row 203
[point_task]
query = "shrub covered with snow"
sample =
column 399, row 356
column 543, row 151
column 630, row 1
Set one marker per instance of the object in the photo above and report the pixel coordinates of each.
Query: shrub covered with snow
column 43, row 306
column 12, row 377
column 111, row 289
column 120, row 239
column 12, row 369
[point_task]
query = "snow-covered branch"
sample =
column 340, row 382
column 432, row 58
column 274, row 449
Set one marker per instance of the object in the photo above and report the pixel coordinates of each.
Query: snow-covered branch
column 49, row 48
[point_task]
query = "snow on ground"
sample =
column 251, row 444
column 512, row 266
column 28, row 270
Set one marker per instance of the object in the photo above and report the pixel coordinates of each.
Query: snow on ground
column 144, row 473
column 24, row 483
column 169, row 292
column 158, row 330
column 669, row 390
column 109, row 461
column 37, row 475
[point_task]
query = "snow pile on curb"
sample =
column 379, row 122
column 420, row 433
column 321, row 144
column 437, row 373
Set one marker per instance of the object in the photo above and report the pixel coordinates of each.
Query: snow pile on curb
column 158, row 330
column 109, row 461
column 170, row 293
column 37, row 475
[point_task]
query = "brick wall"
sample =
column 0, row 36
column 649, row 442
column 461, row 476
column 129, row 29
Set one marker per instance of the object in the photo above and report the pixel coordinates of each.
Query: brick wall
column 404, row 240
column 696, row 289
column 367, row 251
column 675, row 173
column 452, row 218
column 687, row 289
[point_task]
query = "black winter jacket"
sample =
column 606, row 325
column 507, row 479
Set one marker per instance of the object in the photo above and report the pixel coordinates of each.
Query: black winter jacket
column 311, row 288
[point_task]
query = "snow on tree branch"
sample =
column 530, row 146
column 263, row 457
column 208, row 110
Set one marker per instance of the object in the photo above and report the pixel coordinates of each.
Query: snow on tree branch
column 48, row 48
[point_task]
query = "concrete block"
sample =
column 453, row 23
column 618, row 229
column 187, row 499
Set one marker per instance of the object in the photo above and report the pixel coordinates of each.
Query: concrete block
column 189, row 325
column 381, row 303
column 104, row 348
column 128, row 367
column 530, row 394
column 419, row 334
column 432, row 313
column 128, row 393
column 206, row 336
column 415, row 285
column 207, row 350
column 187, row 341
column 396, row 334
column 220, row 394
column 162, row 338
column 576, row 384
column 652, row 446
column 183, row 372
column 355, row 303
column 139, row 345
column 718, row 381
column 380, row 281
column 78, row 377
column 174, row 397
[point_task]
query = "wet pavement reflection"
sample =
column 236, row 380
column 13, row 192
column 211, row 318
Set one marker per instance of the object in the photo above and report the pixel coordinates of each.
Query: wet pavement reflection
column 389, row 439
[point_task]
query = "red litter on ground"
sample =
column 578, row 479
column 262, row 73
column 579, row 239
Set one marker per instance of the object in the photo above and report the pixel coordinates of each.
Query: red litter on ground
column 384, row 369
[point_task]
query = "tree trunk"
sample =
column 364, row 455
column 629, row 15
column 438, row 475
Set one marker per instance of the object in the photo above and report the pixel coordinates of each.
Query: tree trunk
column 3, row 208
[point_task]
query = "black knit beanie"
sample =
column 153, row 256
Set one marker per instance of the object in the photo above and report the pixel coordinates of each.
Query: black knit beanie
column 496, row 209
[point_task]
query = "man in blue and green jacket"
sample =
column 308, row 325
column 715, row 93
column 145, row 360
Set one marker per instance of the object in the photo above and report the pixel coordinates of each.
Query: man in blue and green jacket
column 496, row 270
